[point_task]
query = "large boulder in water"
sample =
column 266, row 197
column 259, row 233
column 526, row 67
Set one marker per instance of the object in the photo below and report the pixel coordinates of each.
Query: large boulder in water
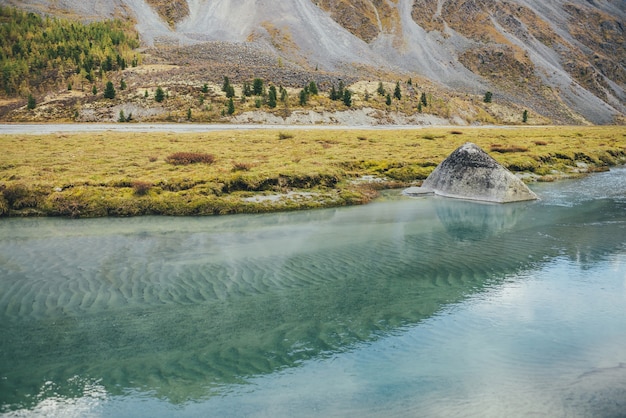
column 470, row 173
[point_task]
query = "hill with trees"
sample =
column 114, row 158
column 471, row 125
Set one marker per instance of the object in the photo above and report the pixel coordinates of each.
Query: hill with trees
column 560, row 62
column 40, row 53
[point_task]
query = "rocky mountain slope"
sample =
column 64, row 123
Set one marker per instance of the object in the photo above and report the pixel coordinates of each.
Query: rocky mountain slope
column 564, row 59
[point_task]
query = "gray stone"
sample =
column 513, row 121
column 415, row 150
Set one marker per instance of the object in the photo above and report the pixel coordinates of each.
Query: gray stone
column 418, row 191
column 470, row 173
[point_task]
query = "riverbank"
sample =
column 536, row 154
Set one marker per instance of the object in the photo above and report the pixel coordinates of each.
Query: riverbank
column 225, row 171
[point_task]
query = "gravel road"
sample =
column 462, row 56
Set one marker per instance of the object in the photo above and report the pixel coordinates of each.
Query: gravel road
column 56, row 128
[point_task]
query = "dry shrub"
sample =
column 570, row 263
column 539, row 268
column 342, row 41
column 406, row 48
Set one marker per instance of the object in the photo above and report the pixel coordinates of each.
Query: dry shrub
column 185, row 158
column 456, row 132
column 242, row 166
column 141, row 188
column 14, row 192
column 153, row 158
column 4, row 206
column 508, row 148
column 361, row 138
column 283, row 135
column 540, row 143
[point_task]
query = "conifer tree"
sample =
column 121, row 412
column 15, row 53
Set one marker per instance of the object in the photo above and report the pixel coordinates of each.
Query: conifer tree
column 226, row 84
column 347, row 97
column 488, row 97
column 109, row 91
column 31, row 102
column 381, row 89
column 231, row 106
column 313, row 88
column 159, row 95
column 304, row 97
column 333, row 93
column 397, row 92
column 121, row 62
column 107, row 65
column 230, row 91
column 424, row 100
column 271, row 101
column 525, row 116
column 257, row 87
column 388, row 100
column 247, row 90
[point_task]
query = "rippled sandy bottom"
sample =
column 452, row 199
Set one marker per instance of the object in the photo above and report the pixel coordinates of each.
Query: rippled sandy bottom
column 508, row 352
column 425, row 307
column 530, row 346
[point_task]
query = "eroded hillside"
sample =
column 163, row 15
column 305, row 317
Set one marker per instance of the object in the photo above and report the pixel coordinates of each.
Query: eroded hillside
column 365, row 19
column 520, row 50
column 565, row 60
column 172, row 11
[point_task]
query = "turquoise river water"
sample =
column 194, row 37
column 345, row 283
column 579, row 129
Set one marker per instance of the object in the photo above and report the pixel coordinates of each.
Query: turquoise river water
column 425, row 307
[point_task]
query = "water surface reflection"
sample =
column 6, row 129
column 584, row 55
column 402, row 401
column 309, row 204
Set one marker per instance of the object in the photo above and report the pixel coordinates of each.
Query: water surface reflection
column 98, row 313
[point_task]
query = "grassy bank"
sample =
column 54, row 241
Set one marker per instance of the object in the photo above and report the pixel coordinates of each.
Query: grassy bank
column 126, row 174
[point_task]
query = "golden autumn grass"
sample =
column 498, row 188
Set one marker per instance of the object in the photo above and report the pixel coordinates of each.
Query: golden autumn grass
column 126, row 174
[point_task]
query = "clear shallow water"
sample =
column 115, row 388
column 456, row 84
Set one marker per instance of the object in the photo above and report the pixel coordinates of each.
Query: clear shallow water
column 404, row 307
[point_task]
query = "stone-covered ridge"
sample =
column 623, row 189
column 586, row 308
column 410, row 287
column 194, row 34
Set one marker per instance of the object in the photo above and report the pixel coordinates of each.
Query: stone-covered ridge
column 470, row 173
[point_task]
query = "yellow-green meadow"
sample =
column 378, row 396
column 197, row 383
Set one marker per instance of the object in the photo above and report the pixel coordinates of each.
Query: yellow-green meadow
column 248, row 171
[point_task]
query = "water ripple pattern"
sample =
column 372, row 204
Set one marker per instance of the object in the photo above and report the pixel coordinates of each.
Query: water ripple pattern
column 177, row 310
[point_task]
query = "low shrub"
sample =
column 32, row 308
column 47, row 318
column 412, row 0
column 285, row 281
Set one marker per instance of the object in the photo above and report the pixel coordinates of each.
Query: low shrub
column 14, row 192
column 508, row 148
column 581, row 156
column 141, row 188
column 540, row 143
column 186, row 158
column 4, row 206
column 432, row 137
column 242, row 166
column 283, row 135
column 19, row 196
column 563, row 156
